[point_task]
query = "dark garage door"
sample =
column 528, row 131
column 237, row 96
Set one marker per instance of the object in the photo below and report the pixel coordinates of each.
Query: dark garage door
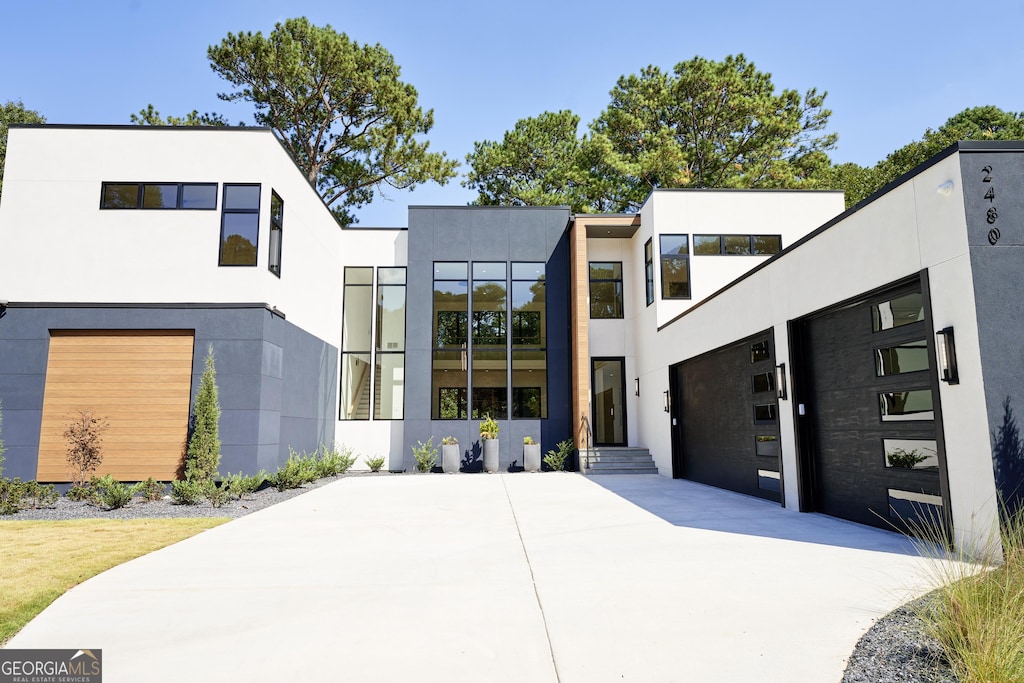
column 870, row 448
column 727, row 418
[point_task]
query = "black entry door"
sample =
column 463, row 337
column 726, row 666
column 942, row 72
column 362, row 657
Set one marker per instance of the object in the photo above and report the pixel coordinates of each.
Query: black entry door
column 872, row 402
column 608, row 379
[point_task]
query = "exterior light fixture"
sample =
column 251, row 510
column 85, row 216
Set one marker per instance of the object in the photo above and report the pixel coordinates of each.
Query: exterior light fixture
column 636, row 386
column 946, row 352
column 668, row 402
column 780, row 381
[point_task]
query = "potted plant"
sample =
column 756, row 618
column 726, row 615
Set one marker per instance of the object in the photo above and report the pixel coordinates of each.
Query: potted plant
column 450, row 456
column 531, row 454
column 489, row 443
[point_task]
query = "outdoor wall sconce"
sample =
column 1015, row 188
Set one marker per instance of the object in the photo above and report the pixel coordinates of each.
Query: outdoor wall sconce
column 668, row 402
column 636, row 386
column 780, row 381
column 947, row 356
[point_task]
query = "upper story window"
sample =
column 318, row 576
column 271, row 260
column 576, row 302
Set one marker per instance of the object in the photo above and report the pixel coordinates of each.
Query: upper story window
column 158, row 196
column 240, row 225
column 675, row 266
column 276, row 233
column 649, row 271
column 737, row 245
column 606, row 289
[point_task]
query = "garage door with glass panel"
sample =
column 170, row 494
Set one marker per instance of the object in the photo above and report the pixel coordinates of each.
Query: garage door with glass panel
column 874, row 446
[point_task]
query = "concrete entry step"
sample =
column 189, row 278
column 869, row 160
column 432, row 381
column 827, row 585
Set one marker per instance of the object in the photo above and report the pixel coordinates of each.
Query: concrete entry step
column 617, row 460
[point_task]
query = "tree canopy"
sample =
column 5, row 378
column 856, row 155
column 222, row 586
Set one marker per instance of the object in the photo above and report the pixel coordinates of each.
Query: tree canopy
column 974, row 123
column 706, row 124
column 12, row 112
column 151, row 117
column 339, row 107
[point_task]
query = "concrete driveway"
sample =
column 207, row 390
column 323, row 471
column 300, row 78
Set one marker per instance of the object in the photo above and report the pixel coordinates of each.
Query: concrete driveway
column 510, row 577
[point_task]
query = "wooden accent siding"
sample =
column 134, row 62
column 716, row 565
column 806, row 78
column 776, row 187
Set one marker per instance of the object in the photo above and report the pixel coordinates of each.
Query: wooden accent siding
column 580, row 331
column 139, row 381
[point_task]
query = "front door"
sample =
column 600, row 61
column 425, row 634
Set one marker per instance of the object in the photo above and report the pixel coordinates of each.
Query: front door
column 609, row 387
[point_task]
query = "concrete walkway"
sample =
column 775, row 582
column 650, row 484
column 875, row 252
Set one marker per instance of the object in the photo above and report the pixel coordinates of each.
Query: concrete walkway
column 513, row 577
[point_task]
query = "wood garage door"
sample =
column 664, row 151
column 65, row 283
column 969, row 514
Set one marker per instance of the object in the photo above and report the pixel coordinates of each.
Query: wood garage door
column 875, row 451
column 139, row 381
column 727, row 423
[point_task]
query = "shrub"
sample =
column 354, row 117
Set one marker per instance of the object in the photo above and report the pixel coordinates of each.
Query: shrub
column 151, row 490
column 187, row 491
column 79, row 493
column 375, row 463
column 529, row 441
column 17, row 495
column 2, row 449
column 334, row 461
column 240, row 486
column 203, row 456
column 425, row 454
column 216, row 495
column 557, row 459
column 300, row 469
column 39, row 495
column 84, row 434
column 449, row 441
column 111, row 493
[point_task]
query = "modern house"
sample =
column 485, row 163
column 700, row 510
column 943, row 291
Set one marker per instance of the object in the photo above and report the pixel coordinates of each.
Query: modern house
column 861, row 363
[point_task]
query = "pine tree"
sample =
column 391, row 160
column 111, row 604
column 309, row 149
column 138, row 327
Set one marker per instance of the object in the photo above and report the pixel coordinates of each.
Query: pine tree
column 203, row 457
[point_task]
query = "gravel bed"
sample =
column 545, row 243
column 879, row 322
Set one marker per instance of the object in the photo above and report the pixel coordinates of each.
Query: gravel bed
column 897, row 649
column 137, row 509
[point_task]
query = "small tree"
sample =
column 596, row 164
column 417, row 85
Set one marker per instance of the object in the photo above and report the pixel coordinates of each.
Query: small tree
column 84, row 434
column 2, row 449
column 203, row 457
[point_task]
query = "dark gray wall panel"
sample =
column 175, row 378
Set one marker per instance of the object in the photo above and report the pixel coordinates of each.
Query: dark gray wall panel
column 266, row 368
column 998, row 269
column 486, row 234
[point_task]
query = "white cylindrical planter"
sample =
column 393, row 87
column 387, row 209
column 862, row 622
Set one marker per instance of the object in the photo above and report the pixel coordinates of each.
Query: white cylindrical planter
column 450, row 459
column 490, row 447
column 531, row 457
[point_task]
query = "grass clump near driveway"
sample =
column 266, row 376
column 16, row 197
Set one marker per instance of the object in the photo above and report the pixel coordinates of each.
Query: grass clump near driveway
column 42, row 560
column 978, row 616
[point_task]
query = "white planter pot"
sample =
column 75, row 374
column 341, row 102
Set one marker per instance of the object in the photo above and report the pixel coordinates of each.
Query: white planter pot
column 531, row 457
column 450, row 458
column 490, row 447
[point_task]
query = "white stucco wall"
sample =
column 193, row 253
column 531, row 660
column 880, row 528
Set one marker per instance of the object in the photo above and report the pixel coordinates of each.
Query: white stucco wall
column 59, row 246
column 911, row 228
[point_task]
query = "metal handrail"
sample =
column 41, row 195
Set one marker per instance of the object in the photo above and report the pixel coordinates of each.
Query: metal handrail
column 584, row 439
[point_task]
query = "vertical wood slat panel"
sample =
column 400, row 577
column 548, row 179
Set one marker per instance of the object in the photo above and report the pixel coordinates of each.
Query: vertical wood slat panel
column 126, row 377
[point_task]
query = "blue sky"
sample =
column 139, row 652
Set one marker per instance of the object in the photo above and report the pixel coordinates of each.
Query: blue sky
column 892, row 69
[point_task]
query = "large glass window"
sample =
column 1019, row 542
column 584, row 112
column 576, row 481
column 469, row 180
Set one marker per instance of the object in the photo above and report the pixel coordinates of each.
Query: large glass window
column 449, row 373
column 529, row 341
column 240, row 225
column 389, row 375
column 276, row 233
column 489, row 359
column 357, row 313
column 736, row 245
column 649, row 271
column 675, row 266
column 158, row 196
column 606, row 289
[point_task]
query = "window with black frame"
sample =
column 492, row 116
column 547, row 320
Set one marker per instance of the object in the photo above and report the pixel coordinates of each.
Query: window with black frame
column 605, row 289
column 450, row 362
column 240, row 225
column 675, row 266
column 529, row 341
